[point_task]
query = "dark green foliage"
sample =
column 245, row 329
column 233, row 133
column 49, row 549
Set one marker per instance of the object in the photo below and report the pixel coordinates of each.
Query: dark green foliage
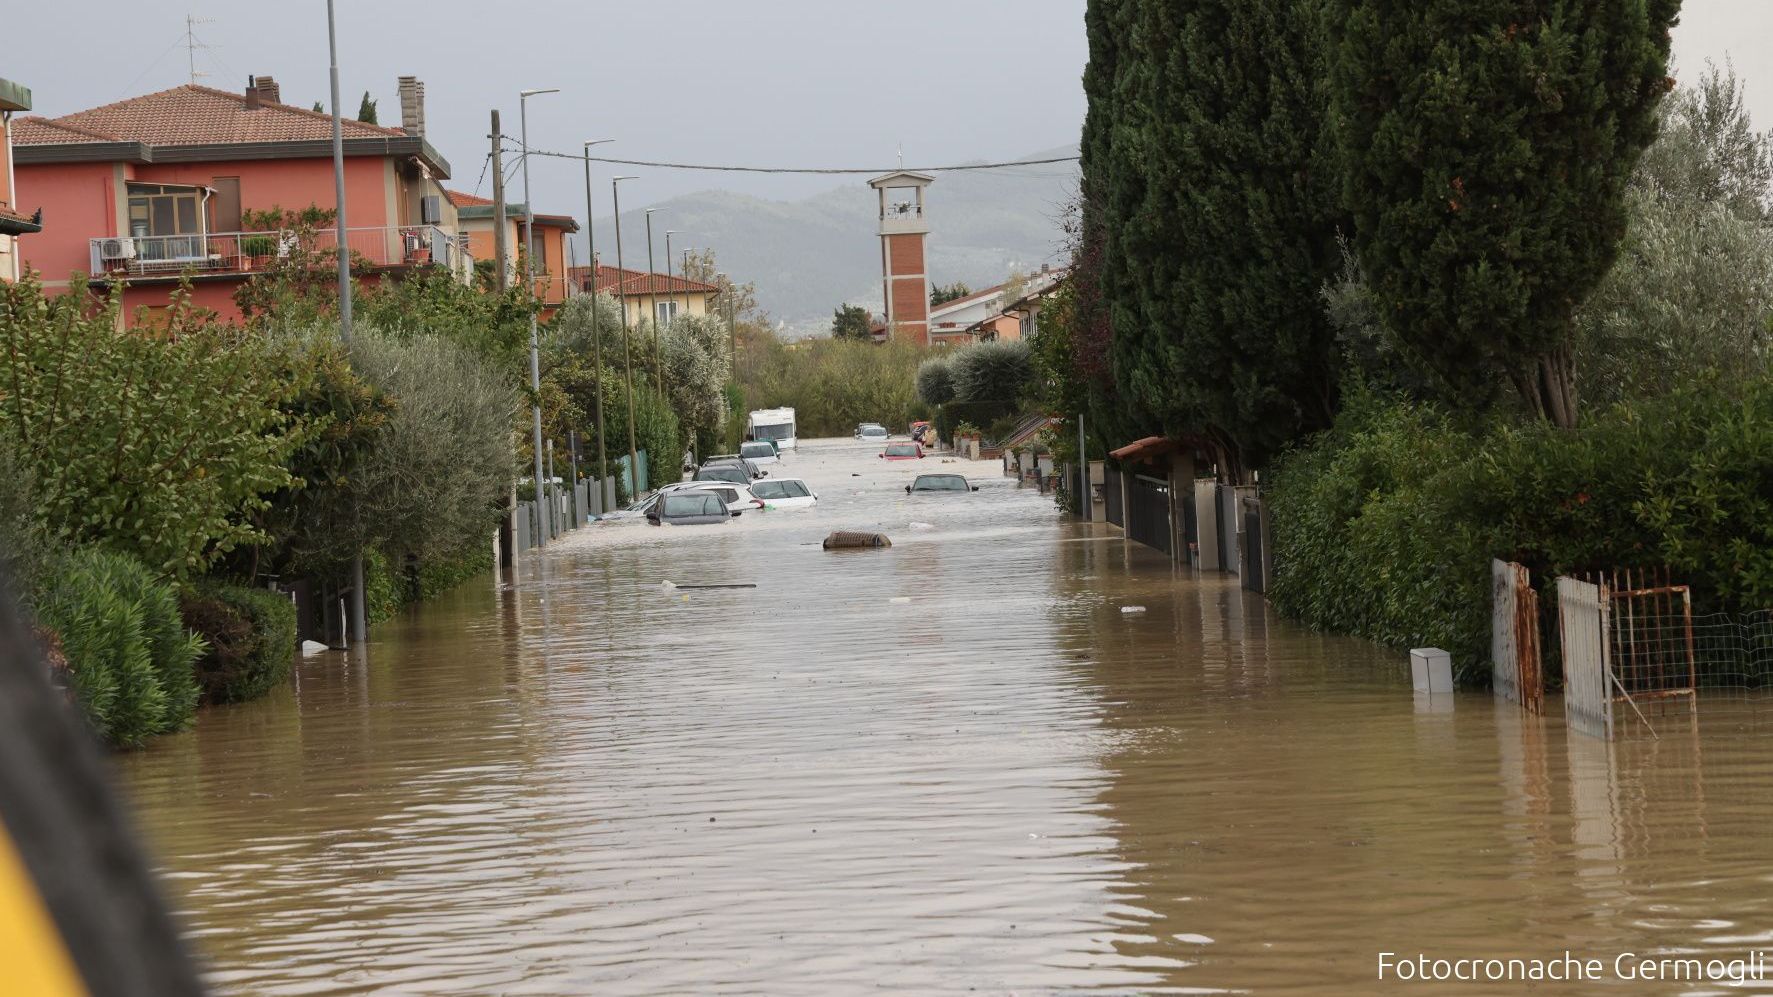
column 850, row 322
column 129, row 656
column 1486, row 146
column 251, row 634
column 935, row 381
column 156, row 445
column 942, row 294
column 366, row 109
column 23, row 547
column 1385, row 526
column 1217, row 194
column 994, row 371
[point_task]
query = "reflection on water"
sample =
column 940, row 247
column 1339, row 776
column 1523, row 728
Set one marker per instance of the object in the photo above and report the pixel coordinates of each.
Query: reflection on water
column 593, row 784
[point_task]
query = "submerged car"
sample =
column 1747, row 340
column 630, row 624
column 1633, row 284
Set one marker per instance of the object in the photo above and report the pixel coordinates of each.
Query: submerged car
column 738, row 498
column 940, row 483
column 760, row 452
column 689, row 508
column 633, row 510
column 902, row 451
column 871, row 431
column 785, row 493
column 733, row 473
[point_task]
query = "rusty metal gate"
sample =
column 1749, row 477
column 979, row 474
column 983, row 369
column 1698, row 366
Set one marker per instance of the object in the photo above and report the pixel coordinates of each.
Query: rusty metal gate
column 1111, row 504
column 1148, row 511
column 1651, row 639
column 1583, row 631
column 1515, row 669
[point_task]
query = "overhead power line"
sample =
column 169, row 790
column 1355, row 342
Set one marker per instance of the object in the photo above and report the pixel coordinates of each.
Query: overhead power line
column 961, row 168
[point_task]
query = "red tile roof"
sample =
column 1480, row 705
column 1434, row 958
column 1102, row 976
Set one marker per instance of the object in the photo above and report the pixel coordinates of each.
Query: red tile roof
column 43, row 131
column 611, row 280
column 463, row 199
column 12, row 221
column 191, row 115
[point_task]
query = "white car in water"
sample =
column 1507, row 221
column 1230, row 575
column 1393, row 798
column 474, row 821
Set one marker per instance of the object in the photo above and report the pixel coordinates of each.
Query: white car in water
column 738, row 498
column 760, row 452
column 785, row 493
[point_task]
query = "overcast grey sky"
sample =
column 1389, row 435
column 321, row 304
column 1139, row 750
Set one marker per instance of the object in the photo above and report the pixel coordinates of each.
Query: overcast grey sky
column 770, row 82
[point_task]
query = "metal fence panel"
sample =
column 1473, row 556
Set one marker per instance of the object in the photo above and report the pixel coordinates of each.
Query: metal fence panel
column 1254, row 577
column 1111, row 505
column 1148, row 511
column 1582, row 627
column 1206, row 506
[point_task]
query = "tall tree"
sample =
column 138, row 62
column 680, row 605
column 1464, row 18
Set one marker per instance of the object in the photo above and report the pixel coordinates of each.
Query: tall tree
column 366, row 109
column 1486, row 146
column 1222, row 331
column 942, row 294
column 850, row 322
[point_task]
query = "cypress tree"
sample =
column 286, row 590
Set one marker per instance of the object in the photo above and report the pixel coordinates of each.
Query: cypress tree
column 1486, row 146
column 1234, row 234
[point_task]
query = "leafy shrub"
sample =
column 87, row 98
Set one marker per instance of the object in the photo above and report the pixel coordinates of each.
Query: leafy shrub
column 251, row 634
column 996, row 371
column 832, row 384
column 156, row 445
column 22, row 546
column 129, row 656
column 1385, row 525
column 935, row 381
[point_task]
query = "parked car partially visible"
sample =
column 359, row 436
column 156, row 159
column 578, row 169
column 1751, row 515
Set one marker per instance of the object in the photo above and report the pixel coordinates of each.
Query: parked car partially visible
column 902, row 451
column 785, row 493
column 760, row 452
column 871, row 431
column 734, row 473
column 939, row 483
column 632, row 511
column 689, row 508
column 738, row 498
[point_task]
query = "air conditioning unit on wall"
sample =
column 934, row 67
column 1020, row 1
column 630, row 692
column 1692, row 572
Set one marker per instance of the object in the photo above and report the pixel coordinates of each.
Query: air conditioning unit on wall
column 118, row 249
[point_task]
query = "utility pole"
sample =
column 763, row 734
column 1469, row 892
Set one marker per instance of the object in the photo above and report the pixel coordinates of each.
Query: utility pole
column 684, row 271
column 500, row 248
column 615, row 193
column 1083, row 481
column 673, row 297
column 359, row 616
column 529, row 291
column 596, row 334
column 652, row 301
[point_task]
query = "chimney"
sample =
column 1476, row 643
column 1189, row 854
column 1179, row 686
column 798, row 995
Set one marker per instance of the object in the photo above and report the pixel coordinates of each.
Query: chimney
column 412, row 106
column 252, row 94
column 269, row 91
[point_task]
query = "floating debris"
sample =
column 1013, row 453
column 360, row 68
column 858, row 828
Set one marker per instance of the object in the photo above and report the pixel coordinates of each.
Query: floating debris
column 900, row 598
column 847, row 539
column 1132, row 609
column 313, row 647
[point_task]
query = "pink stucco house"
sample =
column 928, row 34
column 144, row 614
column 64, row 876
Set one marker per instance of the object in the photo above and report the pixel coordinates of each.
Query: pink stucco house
column 148, row 190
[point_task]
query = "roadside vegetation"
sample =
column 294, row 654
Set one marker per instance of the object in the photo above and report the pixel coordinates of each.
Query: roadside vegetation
column 156, row 483
column 1540, row 332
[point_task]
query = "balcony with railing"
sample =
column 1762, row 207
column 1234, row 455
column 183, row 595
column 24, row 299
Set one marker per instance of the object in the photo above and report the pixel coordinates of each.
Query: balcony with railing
column 148, row 257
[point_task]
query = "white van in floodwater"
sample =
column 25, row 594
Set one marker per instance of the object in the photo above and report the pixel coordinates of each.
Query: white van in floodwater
column 773, row 424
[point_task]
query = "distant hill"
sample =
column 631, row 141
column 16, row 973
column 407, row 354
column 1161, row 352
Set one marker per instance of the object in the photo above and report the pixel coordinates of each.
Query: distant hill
column 811, row 255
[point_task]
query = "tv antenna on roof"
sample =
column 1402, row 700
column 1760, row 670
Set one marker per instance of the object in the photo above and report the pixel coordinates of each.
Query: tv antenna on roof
column 901, row 155
column 192, row 44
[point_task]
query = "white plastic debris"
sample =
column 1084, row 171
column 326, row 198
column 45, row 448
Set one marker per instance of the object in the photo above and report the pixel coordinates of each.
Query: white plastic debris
column 312, row 647
column 667, row 584
column 900, row 598
column 923, row 526
column 1132, row 609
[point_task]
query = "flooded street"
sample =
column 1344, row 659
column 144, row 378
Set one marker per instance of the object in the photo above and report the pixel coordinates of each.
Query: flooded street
column 952, row 765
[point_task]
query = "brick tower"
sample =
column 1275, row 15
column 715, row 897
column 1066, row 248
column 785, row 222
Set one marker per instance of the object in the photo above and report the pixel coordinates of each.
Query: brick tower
column 903, row 226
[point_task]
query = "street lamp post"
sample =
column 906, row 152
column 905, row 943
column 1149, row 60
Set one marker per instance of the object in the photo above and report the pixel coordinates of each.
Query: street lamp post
column 683, row 271
column 359, row 616
column 596, row 337
column 652, row 302
column 529, row 275
column 615, row 193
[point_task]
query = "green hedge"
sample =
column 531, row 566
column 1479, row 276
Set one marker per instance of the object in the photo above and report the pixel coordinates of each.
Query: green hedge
column 129, row 657
column 1385, row 525
column 252, row 639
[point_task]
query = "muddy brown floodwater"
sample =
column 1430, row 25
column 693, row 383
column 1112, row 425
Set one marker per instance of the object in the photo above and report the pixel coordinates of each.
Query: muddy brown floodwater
column 953, row 765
